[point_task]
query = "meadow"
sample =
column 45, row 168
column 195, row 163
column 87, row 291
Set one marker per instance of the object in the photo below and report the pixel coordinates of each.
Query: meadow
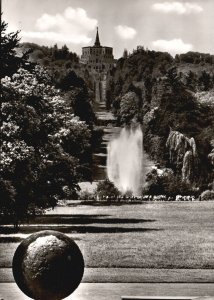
column 148, row 235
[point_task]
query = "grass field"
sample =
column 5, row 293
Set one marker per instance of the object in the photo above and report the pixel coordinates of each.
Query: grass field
column 149, row 235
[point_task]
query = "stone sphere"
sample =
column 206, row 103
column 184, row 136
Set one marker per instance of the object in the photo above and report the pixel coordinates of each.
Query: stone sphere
column 48, row 265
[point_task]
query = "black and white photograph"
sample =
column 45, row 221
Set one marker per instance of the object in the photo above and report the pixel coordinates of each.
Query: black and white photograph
column 107, row 150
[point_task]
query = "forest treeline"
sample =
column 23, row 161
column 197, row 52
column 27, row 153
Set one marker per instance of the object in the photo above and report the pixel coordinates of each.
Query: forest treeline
column 173, row 99
column 164, row 94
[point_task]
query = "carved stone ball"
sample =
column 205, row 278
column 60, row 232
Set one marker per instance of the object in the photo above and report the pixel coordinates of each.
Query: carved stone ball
column 48, row 265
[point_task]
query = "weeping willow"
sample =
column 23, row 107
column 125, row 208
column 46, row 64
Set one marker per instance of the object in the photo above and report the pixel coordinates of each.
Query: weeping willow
column 183, row 154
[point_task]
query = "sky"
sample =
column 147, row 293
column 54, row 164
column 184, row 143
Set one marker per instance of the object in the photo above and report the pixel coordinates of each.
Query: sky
column 174, row 26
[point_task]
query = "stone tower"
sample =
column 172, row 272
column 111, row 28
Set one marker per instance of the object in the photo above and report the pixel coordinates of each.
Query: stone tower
column 97, row 40
column 99, row 60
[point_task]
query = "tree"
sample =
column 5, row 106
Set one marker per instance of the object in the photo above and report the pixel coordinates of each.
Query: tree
column 37, row 130
column 165, row 182
column 7, row 199
column 191, row 80
column 105, row 189
column 78, row 95
column 129, row 108
column 154, row 185
column 64, row 52
column 10, row 61
column 125, row 53
column 205, row 81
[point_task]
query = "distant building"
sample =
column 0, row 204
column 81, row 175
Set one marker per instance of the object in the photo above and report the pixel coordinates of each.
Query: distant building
column 99, row 61
column 97, row 57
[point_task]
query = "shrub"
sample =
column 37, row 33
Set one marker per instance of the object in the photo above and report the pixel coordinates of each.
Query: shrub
column 207, row 195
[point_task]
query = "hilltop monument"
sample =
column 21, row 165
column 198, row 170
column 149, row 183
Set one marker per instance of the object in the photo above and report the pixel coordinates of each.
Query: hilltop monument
column 99, row 60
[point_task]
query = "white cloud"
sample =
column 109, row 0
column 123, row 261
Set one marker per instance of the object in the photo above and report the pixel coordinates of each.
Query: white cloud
column 79, row 16
column 177, row 7
column 71, row 17
column 55, row 37
column 125, row 32
column 173, row 46
column 72, row 26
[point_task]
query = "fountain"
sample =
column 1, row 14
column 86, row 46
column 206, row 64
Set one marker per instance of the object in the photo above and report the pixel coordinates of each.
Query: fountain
column 125, row 160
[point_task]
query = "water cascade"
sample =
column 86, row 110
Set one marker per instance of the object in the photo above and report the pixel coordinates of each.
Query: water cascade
column 125, row 160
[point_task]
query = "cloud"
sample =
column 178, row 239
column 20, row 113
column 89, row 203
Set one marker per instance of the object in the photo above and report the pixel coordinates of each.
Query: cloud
column 125, row 32
column 173, row 46
column 179, row 8
column 72, row 26
column 74, row 17
column 55, row 37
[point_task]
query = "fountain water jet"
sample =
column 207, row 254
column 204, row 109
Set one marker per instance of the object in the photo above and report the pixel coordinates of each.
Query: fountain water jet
column 125, row 160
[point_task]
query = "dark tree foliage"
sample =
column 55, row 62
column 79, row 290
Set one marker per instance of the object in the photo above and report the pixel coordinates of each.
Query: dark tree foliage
column 80, row 99
column 9, row 60
column 70, row 80
column 38, row 175
column 62, row 54
column 107, row 189
column 166, row 92
column 7, row 199
column 168, row 184
column 205, row 81
column 44, row 146
column 195, row 58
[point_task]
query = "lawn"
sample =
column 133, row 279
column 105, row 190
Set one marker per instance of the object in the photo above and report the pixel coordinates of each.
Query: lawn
column 149, row 235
